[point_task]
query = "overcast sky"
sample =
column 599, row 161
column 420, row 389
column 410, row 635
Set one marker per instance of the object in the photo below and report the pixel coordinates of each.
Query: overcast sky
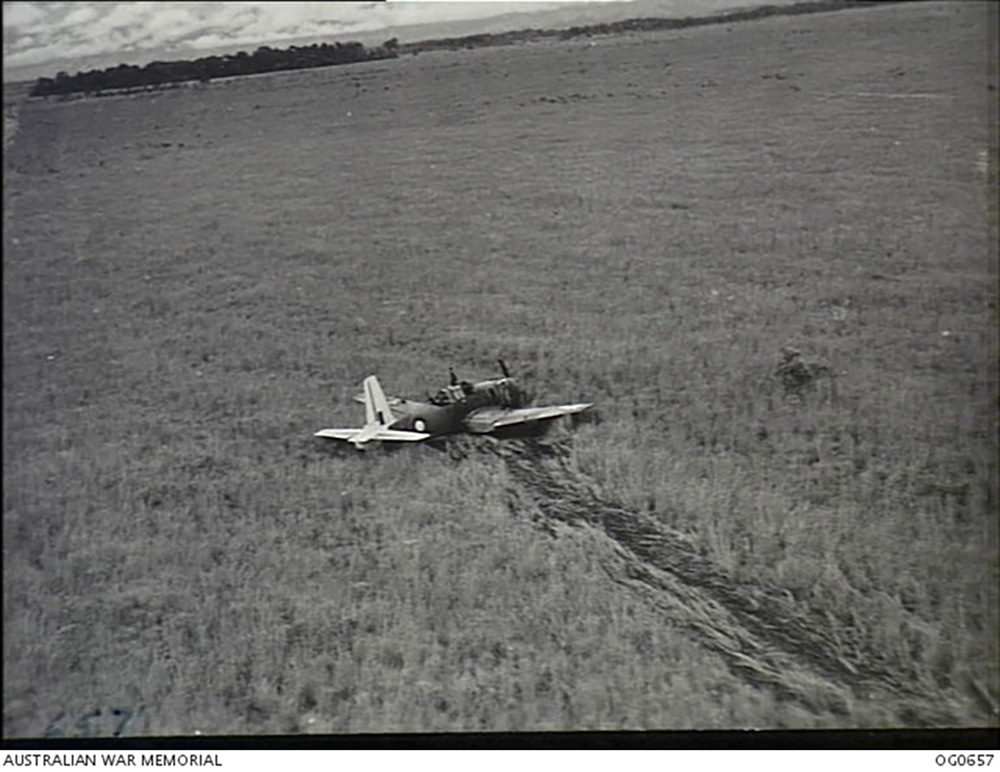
column 36, row 34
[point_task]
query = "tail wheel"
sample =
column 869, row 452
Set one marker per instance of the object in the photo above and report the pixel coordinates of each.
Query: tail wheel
column 419, row 425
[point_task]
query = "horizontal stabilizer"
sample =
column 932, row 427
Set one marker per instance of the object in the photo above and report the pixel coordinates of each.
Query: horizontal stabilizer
column 400, row 435
column 361, row 436
column 338, row 434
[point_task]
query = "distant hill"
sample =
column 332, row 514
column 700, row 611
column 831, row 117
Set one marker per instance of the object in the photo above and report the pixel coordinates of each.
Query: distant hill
column 525, row 15
column 631, row 24
column 267, row 59
column 572, row 14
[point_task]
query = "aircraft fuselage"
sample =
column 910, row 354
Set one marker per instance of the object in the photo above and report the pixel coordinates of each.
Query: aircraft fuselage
column 454, row 403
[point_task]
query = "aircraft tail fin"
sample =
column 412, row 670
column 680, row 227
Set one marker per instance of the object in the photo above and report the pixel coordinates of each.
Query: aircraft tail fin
column 377, row 410
column 378, row 419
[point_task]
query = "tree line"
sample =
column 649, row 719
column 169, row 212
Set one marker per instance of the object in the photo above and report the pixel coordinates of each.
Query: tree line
column 264, row 59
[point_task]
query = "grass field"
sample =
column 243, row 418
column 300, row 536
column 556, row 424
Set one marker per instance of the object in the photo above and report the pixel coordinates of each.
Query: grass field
column 198, row 279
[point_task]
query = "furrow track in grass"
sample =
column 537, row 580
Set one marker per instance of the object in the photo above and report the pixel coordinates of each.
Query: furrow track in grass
column 766, row 636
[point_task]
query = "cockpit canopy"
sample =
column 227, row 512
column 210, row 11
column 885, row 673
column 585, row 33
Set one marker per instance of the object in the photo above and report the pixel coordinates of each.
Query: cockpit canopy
column 505, row 392
column 453, row 393
column 502, row 392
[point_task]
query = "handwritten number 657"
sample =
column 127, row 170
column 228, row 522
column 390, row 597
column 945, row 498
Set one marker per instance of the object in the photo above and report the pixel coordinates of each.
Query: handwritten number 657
column 84, row 726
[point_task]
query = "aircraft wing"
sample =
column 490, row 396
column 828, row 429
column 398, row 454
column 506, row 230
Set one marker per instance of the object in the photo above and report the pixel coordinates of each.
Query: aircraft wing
column 489, row 419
